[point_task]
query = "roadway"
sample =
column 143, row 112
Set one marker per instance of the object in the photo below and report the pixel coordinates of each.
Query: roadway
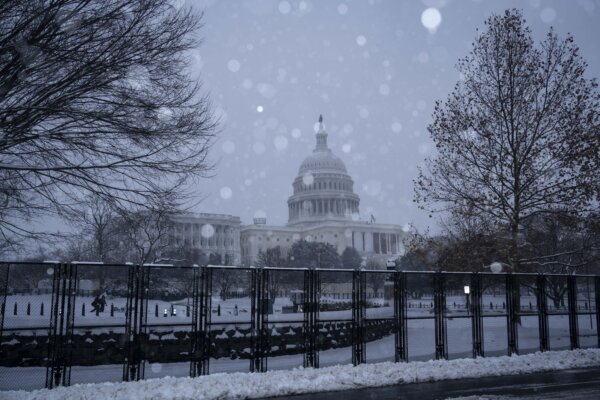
column 576, row 384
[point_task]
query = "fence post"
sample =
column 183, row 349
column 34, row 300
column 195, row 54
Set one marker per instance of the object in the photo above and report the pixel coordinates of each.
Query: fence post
column 572, row 298
column 259, row 306
column 439, row 307
column 310, row 308
column 358, row 316
column 201, row 304
column 133, row 368
column 597, row 295
column 4, row 295
column 60, row 332
column 476, row 318
column 400, row 320
column 542, row 312
column 512, row 314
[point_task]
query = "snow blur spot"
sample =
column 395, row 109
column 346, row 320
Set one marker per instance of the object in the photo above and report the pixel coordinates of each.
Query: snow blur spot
column 260, row 109
column 233, row 65
column 296, row 237
column 372, row 187
column 164, row 113
column 228, row 147
column 207, row 231
column 431, row 18
column 424, row 148
column 548, row 15
column 348, row 232
column 284, row 7
column 496, row 267
column 423, row 57
column 177, row 4
column 50, row 271
column 156, row 367
column 346, row 148
column 247, row 84
column 355, row 217
column 280, row 142
column 267, row 90
column 248, row 182
column 384, row 89
column 406, row 228
column 342, row 9
column 421, row 105
column 296, row 133
column 258, row 147
column 308, row 179
column 364, row 113
column 226, row 192
column 361, row 40
column 396, row 127
column 348, row 128
column 316, row 127
column 260, row 214
column 138, row 77
column 303, row 6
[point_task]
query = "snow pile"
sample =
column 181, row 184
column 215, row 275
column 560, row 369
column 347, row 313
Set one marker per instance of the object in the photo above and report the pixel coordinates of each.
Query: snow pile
column 279, row 383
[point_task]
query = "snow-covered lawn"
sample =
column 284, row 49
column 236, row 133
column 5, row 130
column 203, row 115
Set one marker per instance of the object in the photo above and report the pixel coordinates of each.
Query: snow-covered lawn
column 278, row 383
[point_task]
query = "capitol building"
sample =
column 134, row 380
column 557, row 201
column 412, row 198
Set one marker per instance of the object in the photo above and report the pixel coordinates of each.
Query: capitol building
column 323, row 208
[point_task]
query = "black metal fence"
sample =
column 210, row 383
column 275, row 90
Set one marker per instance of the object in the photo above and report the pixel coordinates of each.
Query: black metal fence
column 73, row 323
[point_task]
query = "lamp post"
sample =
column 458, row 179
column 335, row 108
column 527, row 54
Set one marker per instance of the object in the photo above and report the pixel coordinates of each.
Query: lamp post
column 467, row 291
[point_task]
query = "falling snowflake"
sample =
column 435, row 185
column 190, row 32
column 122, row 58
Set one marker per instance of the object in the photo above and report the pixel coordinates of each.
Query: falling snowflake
column 226, row 192
column 280, row 142
column 233, row 65
column 284, row 7
column 207, row 231
column 431, row 18
column 361, row 40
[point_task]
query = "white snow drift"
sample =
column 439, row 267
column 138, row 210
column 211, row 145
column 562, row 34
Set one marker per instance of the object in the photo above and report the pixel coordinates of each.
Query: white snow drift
column 274, row 383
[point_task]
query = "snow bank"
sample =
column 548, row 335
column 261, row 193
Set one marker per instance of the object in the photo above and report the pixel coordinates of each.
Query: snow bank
column 278, row 383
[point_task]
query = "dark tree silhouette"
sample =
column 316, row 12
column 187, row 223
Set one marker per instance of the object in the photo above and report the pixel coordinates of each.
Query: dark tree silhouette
column 96, row 97
column 518, row 136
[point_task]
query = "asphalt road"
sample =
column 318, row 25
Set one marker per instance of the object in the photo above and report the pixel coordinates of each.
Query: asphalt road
column 576, row 384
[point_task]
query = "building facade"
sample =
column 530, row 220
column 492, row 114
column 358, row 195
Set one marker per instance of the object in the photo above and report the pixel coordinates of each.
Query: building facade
column 216, row 234
column 324, row 208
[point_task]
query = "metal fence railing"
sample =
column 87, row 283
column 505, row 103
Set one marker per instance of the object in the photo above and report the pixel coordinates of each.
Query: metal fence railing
column 62, row 324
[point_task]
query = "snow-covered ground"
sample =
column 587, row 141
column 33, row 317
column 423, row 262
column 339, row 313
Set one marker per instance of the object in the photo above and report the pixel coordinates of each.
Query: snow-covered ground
column 343, row 377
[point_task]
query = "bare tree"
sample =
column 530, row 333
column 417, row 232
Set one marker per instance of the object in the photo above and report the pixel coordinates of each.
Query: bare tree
column 96, row 97
column 518, row 136
column 148, row 233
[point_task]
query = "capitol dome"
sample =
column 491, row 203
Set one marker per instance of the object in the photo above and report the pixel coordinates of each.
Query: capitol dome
column 323, row 190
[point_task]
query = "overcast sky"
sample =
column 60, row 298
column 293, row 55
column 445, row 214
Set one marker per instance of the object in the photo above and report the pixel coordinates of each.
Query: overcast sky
column 373, row 69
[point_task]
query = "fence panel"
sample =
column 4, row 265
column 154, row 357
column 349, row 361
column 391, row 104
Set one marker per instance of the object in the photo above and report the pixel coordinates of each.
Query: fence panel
column 586, row 310
column 380, row 324
column 25, row 328
column 494, row 315
column 231, row 322
column 459, row 294
column 63, row 324
column 335, row 321
column 285, row 324
column 557, row 303
column 167, row 327
column 99, row 324
column 420, row 316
